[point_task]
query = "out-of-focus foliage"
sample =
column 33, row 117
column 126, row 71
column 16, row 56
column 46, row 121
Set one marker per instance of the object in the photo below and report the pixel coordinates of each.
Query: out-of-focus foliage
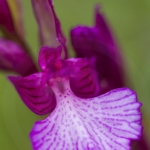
column 130, row 21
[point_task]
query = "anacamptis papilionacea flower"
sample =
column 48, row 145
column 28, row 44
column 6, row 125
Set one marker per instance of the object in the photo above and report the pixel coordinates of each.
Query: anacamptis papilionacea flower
column 81, row 118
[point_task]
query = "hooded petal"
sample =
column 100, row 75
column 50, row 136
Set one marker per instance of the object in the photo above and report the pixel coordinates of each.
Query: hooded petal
column 97, row 42
column 83, row 79
column 35, row 93
column 47, row 55
column 50, row 61
column 106, row 122
column 49, row 26
column 13, row 58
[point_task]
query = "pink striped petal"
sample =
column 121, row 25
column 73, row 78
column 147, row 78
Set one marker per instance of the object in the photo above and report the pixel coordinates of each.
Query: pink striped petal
column 107, row 122
column 49, row 25
column 35, row 93
column 84, row 81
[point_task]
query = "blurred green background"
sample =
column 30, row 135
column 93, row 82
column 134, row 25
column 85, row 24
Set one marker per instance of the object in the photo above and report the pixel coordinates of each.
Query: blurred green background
column 130, row 23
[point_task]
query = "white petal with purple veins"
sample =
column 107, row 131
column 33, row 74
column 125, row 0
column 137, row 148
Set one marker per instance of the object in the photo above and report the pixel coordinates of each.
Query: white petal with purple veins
column 106, row 122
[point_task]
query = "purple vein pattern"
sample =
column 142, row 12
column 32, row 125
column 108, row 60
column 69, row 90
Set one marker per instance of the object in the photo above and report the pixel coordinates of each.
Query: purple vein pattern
column 106, row 122
column 35, row 93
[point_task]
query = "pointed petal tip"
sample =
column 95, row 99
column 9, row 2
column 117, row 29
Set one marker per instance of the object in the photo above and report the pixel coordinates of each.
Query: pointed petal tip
column 12, row 79
column 98, row 7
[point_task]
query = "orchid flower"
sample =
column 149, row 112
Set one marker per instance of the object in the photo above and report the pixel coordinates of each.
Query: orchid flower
column 69, row 88
column 105, row 122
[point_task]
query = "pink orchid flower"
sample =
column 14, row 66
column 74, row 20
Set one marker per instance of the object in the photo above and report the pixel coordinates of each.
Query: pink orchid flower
column 80, row 119
column 105, row 122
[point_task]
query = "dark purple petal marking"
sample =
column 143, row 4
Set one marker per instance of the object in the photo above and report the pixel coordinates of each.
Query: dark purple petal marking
column 35, row 93
column 84, row 124
column 83, row 80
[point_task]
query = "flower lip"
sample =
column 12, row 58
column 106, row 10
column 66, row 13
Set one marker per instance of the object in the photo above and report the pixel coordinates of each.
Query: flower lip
column 107, row 122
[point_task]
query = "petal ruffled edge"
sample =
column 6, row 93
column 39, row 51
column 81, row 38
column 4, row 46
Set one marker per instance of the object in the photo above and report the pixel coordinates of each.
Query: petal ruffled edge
column 107, row 122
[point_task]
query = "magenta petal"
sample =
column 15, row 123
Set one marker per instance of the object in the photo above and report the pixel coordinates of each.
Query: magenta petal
column 83, row 80
column 35, row 93
column 13, row 58
column 49, row 25
column 97, row 42
column 47, row 55
column 5, row 16
column 106, row 122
